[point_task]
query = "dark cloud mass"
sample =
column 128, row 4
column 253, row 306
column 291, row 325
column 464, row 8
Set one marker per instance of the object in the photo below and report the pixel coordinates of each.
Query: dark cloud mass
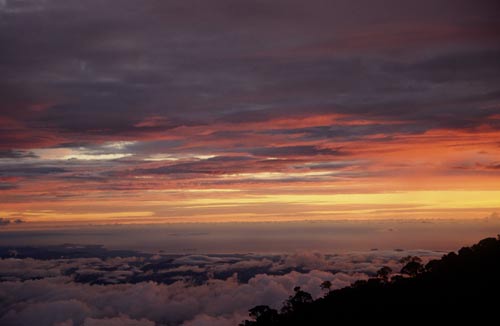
column 296, row 151
column 103, row 67
column 16, row 154
column 157, row 102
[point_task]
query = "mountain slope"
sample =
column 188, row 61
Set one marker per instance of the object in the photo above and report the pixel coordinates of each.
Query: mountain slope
column 459, row 287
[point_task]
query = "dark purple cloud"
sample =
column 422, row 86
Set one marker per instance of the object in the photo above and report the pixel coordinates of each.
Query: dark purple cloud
column 296, row 151
column 100, row 97
column 102, row 68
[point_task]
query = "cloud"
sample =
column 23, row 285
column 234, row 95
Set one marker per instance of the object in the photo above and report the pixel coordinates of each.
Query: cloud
column 16, row 154
column 6, row 221
column 300, row 86
column 29, row 268
column 29, row 170
column 122, row 320
column 273, row 69
column 94, row 291
column 493, row 217
column 47, row 312
column 296, row 151
column 207, row 320
column 492, row 166
column 57, row 299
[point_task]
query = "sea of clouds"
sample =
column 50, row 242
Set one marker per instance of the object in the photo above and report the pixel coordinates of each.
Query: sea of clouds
column 188, row 290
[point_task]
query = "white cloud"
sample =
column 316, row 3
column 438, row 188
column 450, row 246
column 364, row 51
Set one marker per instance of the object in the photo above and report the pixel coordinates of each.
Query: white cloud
column 56, row 299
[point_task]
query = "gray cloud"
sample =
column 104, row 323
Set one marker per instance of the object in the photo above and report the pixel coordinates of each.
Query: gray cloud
column 162, row 74
column 6, row 221
column 29, row 170
column 55, row 300
column 110, row 66
column 122, row 320
column 296, row 151
column 215, row 165
column 15, row 154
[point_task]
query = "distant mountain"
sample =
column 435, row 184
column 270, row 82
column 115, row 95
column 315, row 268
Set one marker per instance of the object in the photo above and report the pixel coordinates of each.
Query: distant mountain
column 461, row 287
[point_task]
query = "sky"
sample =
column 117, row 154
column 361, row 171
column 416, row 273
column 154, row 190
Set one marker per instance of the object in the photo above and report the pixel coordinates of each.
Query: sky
column 325, row 237
column 123, row 111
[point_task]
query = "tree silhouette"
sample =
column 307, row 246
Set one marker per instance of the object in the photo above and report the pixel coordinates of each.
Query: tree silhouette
column 410, row 258
column 326, row 285
column 263, row 315
column 432, row 265
column 458, row 288
column 413, row 268
column 383, row 273
column 297, row 300
column 412, row 265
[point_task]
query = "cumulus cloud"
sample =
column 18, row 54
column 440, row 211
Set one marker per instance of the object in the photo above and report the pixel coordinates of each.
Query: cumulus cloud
column 45, row 312
column 57, row 299
column 308, row 260
column 60, row 291
column 20, row 269
column 29, row 268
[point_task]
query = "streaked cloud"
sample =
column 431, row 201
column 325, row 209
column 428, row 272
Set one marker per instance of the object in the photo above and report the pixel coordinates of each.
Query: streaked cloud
column 139, row 104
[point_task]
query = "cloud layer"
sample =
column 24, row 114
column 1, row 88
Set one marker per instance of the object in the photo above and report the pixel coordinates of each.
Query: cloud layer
column 64, row 291
column 153, row 105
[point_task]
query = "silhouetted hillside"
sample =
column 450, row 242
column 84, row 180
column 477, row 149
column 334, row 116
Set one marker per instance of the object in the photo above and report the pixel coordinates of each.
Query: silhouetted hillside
column 460, row 287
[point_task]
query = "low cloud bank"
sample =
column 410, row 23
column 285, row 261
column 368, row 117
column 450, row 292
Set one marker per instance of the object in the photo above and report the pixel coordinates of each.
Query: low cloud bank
column 64, row 292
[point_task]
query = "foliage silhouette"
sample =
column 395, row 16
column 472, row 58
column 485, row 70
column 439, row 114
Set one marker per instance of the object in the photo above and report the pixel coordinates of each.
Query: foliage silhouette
column 326, row 285
column 460, row 288
column 263, row 315
column 384, row 273
column 413, row 268
column 296, row 301
column 410, row 259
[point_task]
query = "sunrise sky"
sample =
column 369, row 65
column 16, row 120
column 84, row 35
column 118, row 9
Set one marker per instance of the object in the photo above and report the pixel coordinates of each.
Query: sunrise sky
column 125, row 111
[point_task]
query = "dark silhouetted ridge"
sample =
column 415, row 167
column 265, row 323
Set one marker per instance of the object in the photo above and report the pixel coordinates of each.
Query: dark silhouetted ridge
column 461, row 287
